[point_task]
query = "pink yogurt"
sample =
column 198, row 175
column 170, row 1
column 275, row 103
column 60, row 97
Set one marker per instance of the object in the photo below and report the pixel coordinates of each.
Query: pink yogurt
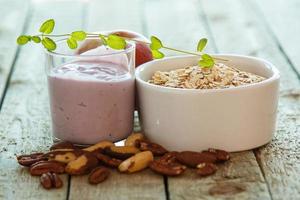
column 91, row 101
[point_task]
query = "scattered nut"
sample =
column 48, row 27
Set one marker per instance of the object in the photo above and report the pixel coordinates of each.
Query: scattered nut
column 99, row 145
column 221, row 155
column 167, row 165
column 51, row 180
column 46, row 181
column 131, row 140
column 64, row 157
column 108, row 161
column 156, row 149
column 61, row 155
column 137, row 162
column 62, row 145
column 82, row 165
column 205, row 169
column 98, row 175
column 28, row 160
column 192, row 158
column 121, row 152
column 42, row 167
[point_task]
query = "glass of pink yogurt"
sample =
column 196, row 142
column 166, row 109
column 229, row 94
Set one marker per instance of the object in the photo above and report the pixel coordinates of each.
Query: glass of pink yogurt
column 91, row 94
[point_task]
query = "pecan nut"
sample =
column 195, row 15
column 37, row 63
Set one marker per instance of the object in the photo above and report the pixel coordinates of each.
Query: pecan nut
column 108, row 161
column 167, row 165
column 82, row 165
column 62, row 145
column 98, row 175
column 156, row 149
column 50, row 180
column 28, row 160
column 205, row 169
column 137, row 162
column 121, row 152
column 192, row 158
column 42, row 167
column 221, row 155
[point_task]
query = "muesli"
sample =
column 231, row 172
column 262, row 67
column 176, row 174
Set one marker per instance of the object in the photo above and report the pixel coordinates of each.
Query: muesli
column 194, row 77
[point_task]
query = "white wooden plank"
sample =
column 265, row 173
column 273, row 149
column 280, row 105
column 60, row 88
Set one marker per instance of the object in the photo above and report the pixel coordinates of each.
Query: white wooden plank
column 238, row 29
column 177, row 24
column 114, row 14
column 241, row 175
column 12, row 21
column 249, row 35
column 186, row 24
column 24, row 118
column 142, row 185
column 283, row 19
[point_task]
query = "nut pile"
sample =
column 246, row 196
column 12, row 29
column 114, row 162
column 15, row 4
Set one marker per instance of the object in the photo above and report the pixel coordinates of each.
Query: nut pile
column 193, row 77
column 137, row 154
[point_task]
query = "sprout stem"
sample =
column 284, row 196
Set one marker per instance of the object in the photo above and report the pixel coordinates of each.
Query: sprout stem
column 135, row 40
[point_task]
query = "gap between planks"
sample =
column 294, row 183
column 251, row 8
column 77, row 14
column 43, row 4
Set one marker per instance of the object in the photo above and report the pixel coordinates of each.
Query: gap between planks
column 9, row 66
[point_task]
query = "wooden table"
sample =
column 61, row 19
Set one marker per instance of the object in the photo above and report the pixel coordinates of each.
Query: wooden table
column 264, row 28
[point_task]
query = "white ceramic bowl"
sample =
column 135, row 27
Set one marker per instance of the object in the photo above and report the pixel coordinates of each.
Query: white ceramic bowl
column 232, row 119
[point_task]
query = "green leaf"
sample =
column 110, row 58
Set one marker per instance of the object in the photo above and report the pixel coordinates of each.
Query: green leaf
column 36, row 39
column 104, row 41
column 201, row 44
column 155, row 43
column 157, row 54
column 72, row 43
column 116, row 42
column 48, row 26
column 23, row 39
column 206, row 61
column 78, row 35
column 49, row 43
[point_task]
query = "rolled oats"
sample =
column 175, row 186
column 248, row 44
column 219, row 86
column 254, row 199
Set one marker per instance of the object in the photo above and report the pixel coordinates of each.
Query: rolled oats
column 193, row 77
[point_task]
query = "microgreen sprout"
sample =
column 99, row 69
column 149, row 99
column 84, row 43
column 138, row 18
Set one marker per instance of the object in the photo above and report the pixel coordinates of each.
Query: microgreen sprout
column 113, row 41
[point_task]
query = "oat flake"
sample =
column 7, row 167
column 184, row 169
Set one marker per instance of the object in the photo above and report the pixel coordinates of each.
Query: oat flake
column 193, row 77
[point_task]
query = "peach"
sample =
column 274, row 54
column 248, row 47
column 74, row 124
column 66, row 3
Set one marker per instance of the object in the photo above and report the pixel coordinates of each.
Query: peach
column 142, row 53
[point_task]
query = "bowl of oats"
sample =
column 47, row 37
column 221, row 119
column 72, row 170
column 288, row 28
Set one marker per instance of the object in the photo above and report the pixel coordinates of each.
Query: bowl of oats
column 230, row 106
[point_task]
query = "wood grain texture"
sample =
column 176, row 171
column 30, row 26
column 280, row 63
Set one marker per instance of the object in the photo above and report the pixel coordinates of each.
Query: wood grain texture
column 187, row 19
column 279, row 160
column 13, row 15
column 239, row 178
column 178, row 26
column 114, row 14
column 142, row 185
column 282, row 17
column 24, row 118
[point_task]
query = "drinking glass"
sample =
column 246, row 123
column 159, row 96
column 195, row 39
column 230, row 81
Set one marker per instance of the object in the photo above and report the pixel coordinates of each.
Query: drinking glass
column 91, row 93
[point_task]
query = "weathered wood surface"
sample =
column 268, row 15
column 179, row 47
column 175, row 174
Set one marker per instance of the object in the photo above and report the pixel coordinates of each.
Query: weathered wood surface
column 232, row 26
column 180, row 26
column 24, row 116
column 143, row 185
column 279, row 160
column 13, row 15
column 282, row 18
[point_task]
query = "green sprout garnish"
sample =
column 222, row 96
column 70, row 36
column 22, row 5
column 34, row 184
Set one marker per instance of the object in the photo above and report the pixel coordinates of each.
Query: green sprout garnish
column 113, row 41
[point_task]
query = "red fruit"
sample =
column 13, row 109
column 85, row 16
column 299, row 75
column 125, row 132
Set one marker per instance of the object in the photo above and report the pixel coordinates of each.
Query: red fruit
column 142, row 54
column 142, row 51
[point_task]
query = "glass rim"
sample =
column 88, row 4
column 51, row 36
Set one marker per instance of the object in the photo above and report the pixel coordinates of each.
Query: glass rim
column 53, row 53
